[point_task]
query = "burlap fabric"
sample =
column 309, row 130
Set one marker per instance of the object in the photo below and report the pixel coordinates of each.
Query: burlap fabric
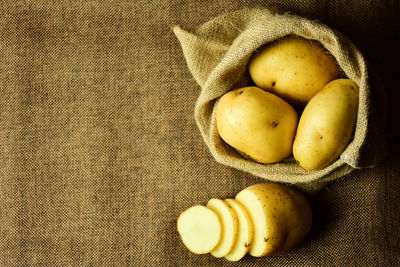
column 100, row 152
column 217, row 54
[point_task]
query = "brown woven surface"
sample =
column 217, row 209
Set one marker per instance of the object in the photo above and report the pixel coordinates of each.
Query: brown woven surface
column 99, row 150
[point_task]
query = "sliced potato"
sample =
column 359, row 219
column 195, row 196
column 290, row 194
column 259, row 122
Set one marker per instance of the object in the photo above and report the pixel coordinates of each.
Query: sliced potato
column 229, row 223
column 282, row 217
column 245, row 232
column 268, row 235
column 200, row 229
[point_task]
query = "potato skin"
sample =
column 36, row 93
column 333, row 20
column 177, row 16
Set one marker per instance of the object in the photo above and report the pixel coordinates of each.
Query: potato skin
column 257, row 123
column 326, row 125
column 293, row 68
column 281, row 215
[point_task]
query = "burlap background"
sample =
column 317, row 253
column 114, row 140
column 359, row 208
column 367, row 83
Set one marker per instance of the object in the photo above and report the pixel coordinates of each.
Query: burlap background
column 99, row 151
column 217, row 53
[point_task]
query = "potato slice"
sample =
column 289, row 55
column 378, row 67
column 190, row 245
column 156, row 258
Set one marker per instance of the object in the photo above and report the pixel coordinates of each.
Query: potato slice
column 245, row 232
column 229, row 223
column 200, row 229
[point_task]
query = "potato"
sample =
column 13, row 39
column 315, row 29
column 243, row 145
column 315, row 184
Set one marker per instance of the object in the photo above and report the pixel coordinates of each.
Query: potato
column 326, row 125
column 257, row 123
column 229, row 225
column 245, row 232
column 200, row 229
column 293, row 68
column 298, row 218
column 281, row 216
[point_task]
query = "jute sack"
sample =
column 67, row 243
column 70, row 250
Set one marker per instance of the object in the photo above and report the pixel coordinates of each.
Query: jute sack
column 217, row 54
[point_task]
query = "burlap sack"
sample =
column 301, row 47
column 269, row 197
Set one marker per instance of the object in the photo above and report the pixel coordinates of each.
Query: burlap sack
column 217, row 54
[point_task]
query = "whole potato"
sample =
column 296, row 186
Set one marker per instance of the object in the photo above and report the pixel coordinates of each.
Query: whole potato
column 326, row 125
column 293, row 68
column 257, row 123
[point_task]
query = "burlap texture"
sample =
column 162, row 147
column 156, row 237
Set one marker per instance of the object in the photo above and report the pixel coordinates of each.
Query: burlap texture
column 217, row 54
column 100, row 152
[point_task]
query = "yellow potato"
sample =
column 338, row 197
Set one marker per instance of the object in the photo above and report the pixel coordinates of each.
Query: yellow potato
column 257, row 123
column 298, row 218
column 200, row 229
column 245, row 232
column 293, row 68
column 229, row 223
column 326, row 125
column 281, row 217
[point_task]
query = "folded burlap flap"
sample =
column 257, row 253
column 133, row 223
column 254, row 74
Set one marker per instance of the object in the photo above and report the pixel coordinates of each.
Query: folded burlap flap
column 217, row 54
